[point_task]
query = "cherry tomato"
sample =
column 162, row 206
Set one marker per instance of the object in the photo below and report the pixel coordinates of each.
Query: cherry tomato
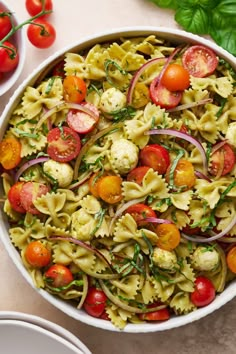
column 93, row 184
column 137, row 174
column 204, row 292
column 30, row 191
column 74, row 89
column 63, row 144
column 41, row 33
column 109, row 189
column 58, row 69
column 159, row 315
column 231, row 259
column 5, row 24
column 37, row 254
column 140, row 95
column 228, row 160
column 199, row 60
column 95, row 302
column 162, row 97
column 10, row 153
column 184, row 175
column 14, row 197
column 104, row 316
column 9, row 57
column 58, row 276
column 34, row 7
column 156, row 157
column 168, row 236
column 82, row 122
column 1, row 76
column 139, row 212
column 176, row 78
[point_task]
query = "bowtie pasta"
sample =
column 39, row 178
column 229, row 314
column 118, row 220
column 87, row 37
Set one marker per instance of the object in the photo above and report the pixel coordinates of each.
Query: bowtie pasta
column 119, row 176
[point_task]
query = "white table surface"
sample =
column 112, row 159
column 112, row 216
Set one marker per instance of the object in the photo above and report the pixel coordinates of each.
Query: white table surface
column 215, row 334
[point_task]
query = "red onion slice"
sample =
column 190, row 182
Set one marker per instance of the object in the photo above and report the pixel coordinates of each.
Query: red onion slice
column 29, row 164
column 157, row 220
column 200, row 175
column 189, row 105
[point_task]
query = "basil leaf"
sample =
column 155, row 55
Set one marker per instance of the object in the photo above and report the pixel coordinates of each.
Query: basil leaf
column 194, row 19
column 226, row 7
column 225, row 37
column 170, row 4
column 208, row 4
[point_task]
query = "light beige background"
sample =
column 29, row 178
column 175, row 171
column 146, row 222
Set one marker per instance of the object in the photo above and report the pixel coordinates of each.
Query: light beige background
column 215, row 334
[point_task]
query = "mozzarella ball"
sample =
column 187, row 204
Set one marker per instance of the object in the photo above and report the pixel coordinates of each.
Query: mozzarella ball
column 62, row 172
column 231, row 134
column 205, row 259
column 164, row 259
column 123, row 156
column 112, row 100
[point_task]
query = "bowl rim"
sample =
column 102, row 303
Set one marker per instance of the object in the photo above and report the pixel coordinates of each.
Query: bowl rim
column 176, row 321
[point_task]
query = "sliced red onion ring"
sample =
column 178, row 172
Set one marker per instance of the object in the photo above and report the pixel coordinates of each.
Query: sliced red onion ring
column 190, row 105
column 202, row 176
column 80, row 182
column 157, row 220
column 29, row 164
column 184, row 136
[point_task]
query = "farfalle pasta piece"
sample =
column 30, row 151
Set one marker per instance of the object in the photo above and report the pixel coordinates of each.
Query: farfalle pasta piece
column 50, row 203
column 185, row 277
column 181, row 200
column 82, row 225
column 199, row 211
column 51, row 231
column 34, row 226
column 208, row 127
column 178, row 217
column 10, row 212
column 117, row 316
column 231, row 134
column 224, row 213
column 19, row 236
column 100, row 265
column 163, row 289
column 127, row 287
column 148, row 291
column 220, row 85
column 193, row 95
column 181, row 303
column 75, row 65
column 90, row 204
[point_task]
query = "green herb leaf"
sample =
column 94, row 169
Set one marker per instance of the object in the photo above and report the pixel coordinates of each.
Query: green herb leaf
column 195, row 19
column 170, row 4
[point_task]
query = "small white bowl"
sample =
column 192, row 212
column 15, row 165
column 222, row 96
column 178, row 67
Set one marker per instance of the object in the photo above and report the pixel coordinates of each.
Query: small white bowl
column 18, row 39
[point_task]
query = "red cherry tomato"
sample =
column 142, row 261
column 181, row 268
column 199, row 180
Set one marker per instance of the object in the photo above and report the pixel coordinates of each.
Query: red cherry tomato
column 139, row 212
column 82, row 122
column 137, row 174
column 95, row 302
column 162, row 97
column 156, row 157
column 159, row 315
column 63, row 144
column 34, row 7
column 37, row 254
column 14, row 197
column 226, row 163
column 199, row 60
column 204, row 292
column 9, row 57
column 176, row 78
column 74, row 89
column 5, row 24
column 58, row 276
column 30, row 191
column 41, row 34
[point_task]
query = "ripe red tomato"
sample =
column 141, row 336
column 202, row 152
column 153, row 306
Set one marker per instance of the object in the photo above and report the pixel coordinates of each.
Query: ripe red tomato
column 74, row 89
column 204, row 292
column 5, row 24
column 156, row 157
column 95, row 302
column 163, row 97
column 139, row 212
column 63, row 144
column 82, row 122
column 29, row 192
column 137, row 174
column 41, row 33
column 176, row 78
column 37, row 254
column 159, row 315
column 9, row 57
column 58, row 69
column 34, row 7
column 14, row 197
column 58, row 276
column 228, row 160
column 199, row 60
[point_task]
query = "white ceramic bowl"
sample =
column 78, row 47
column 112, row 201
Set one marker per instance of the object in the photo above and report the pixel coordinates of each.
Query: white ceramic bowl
column 176, row 36
column 19, row 40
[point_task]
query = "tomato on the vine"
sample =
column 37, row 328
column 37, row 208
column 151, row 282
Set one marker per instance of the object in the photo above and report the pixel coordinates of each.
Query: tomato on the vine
column 34, row 7
column 95, row 302
column 139, row 212
column 222, row 160
column 58, row 276
column 176, row 78
column 9, row 57
column 37, row 254
column 156, row 157
column 14, row 197
column 41, row 33
column 204, row 292
column 5, row 23
column 74, row 89
column 10, row 153
column 168, row 236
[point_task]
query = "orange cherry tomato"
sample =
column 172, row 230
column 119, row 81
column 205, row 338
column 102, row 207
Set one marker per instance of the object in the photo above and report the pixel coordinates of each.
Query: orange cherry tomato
column 139, row 212
column 168, row 236
column 231, row 259
column 137, row 174
column 93, row 184
column 10, row 153
column 74, row 89
column 37, row 254
column 109, row 189
column 58, row 276
column 176, row 78
column 184, row 175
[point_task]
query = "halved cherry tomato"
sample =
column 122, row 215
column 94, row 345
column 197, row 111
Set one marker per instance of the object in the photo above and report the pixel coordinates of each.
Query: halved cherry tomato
column 176, row 78
column 159, row 315
column 199, row 60
column 104, row 316
column 109, row 189
column 139, row 212
column 204, row 292
column 5, row 23
column 156, row 157
column 41, row 33
column 58, row 276
column 168, row 236
column 162, row 97
column 227, row 163
column 30, row 191
column 95, row 302
column 231, row 259
column 82, row 122
column 37, row 254
column 58, row 69
column 9, row 57
column 93, row 184
column 63, row 144
column 74, row 89
column 14, row 197
column 137, row 174
column 140, row 95
column 183, row 176
column 34, row 7
column 10, row 153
